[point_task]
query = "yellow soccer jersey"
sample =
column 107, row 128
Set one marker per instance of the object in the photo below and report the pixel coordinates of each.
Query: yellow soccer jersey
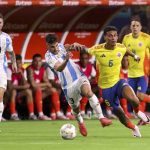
column 109, row 63
column 138, row 46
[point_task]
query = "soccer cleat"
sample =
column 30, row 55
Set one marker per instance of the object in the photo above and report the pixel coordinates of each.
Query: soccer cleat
column 14, row 117
column 136, row 132
column 141, row 122
column 82, row 129
column 43, row 117
column 71, row 117
column 62, row 117
column 53, row 116
column 105, row 122
column 32, row 117
column 3, row 119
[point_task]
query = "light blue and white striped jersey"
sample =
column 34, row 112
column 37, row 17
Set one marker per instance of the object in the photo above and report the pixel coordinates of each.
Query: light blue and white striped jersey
column 70, row 73
column 5, row 45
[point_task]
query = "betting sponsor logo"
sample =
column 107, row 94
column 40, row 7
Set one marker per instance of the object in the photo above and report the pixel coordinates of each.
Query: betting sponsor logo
column 23, row 3
column 87, row 26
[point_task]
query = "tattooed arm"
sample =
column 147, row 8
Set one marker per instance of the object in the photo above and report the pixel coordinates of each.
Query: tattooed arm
column 13, row 60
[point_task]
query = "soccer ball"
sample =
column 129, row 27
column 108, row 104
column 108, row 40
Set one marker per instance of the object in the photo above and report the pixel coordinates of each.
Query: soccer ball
column 68, row 131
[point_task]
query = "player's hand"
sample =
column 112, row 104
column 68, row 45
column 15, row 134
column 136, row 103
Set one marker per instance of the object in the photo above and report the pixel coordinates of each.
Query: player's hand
column 68, row 55
column 14, row 67
column 137, row 58
column 76, row 46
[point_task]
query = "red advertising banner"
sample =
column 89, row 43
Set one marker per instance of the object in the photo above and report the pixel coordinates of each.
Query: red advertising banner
column 73, row 2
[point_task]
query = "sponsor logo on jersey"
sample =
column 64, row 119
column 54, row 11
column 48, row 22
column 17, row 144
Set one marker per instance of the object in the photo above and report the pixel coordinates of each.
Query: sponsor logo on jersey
column 119, row 54
column 140, row 44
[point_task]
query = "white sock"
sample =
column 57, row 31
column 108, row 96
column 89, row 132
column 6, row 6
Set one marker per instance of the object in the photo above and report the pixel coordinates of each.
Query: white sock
column 31, row 114
column 59, row 113
column 142, row 116
column 1, row 110
column 78, row 117
column 96, row 106
column 41, row 114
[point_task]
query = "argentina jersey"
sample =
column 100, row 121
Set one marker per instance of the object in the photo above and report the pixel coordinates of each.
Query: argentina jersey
column 70, row 73
column 5, row 45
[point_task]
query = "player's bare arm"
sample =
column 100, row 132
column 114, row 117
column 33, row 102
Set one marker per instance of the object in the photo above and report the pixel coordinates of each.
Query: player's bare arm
column 61, row 66
column 13, row 61
column 45, row 82
column 31, row 78
column 130, row 53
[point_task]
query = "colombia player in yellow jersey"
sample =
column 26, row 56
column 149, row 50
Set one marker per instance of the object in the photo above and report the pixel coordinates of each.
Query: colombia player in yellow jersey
column 137, row 42
column 109, row 56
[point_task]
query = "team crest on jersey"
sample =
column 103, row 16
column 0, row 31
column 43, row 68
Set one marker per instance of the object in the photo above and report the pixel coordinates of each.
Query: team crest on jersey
column 129, row 45
column 140, row 44
column 103, row 55
column 119, row 54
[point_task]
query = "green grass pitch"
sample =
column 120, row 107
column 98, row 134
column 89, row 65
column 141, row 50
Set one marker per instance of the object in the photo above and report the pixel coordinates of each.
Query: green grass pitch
column 44, row 135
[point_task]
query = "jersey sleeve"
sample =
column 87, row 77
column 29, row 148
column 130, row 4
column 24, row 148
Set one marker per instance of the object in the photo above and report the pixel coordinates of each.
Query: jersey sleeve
column 91, row 50
column 9, row 74
column 50, row 74
column 9, row 46
column 51, row 60
column 25, row 74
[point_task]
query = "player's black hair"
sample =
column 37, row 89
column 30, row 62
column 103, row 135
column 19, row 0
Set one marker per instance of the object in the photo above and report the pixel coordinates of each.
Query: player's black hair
column 36, row 55
column 136, row 18
column 109, row 28
column 51, row 38
column 83, row 53
column 1, row 16
column 18, row 57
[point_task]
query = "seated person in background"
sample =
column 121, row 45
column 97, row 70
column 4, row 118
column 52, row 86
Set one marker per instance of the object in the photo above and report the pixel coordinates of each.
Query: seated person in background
column 56, row 83
column 19, row 87
column 55, row 112
column 42, row 88
column 88, row 69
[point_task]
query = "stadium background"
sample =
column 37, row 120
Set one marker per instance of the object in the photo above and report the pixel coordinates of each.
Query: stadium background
column 73, row 20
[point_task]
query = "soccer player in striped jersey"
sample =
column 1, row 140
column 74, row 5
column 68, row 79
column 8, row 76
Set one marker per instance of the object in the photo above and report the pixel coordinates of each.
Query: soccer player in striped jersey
column 5, row 46
column 74, row 83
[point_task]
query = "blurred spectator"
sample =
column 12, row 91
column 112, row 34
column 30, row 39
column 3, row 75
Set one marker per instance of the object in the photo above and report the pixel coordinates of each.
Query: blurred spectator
column 53, row 79
column 19, row 88
column 88, row 69
column 42, row 88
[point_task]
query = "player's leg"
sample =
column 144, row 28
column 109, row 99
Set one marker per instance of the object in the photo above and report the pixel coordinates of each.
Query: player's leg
column 55, row 101
column 13, row 113
column 126, row 122
column 2, row 90
column 39, row 104
column 128, row 93
column 83, row 104
column 30, row 104
column 94, row 102
column 3, row 85
column 73, row 97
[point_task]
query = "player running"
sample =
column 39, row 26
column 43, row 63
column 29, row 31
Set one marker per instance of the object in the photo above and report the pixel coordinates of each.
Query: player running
column 74, row 83
column 109, row 56
column 5, row 45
